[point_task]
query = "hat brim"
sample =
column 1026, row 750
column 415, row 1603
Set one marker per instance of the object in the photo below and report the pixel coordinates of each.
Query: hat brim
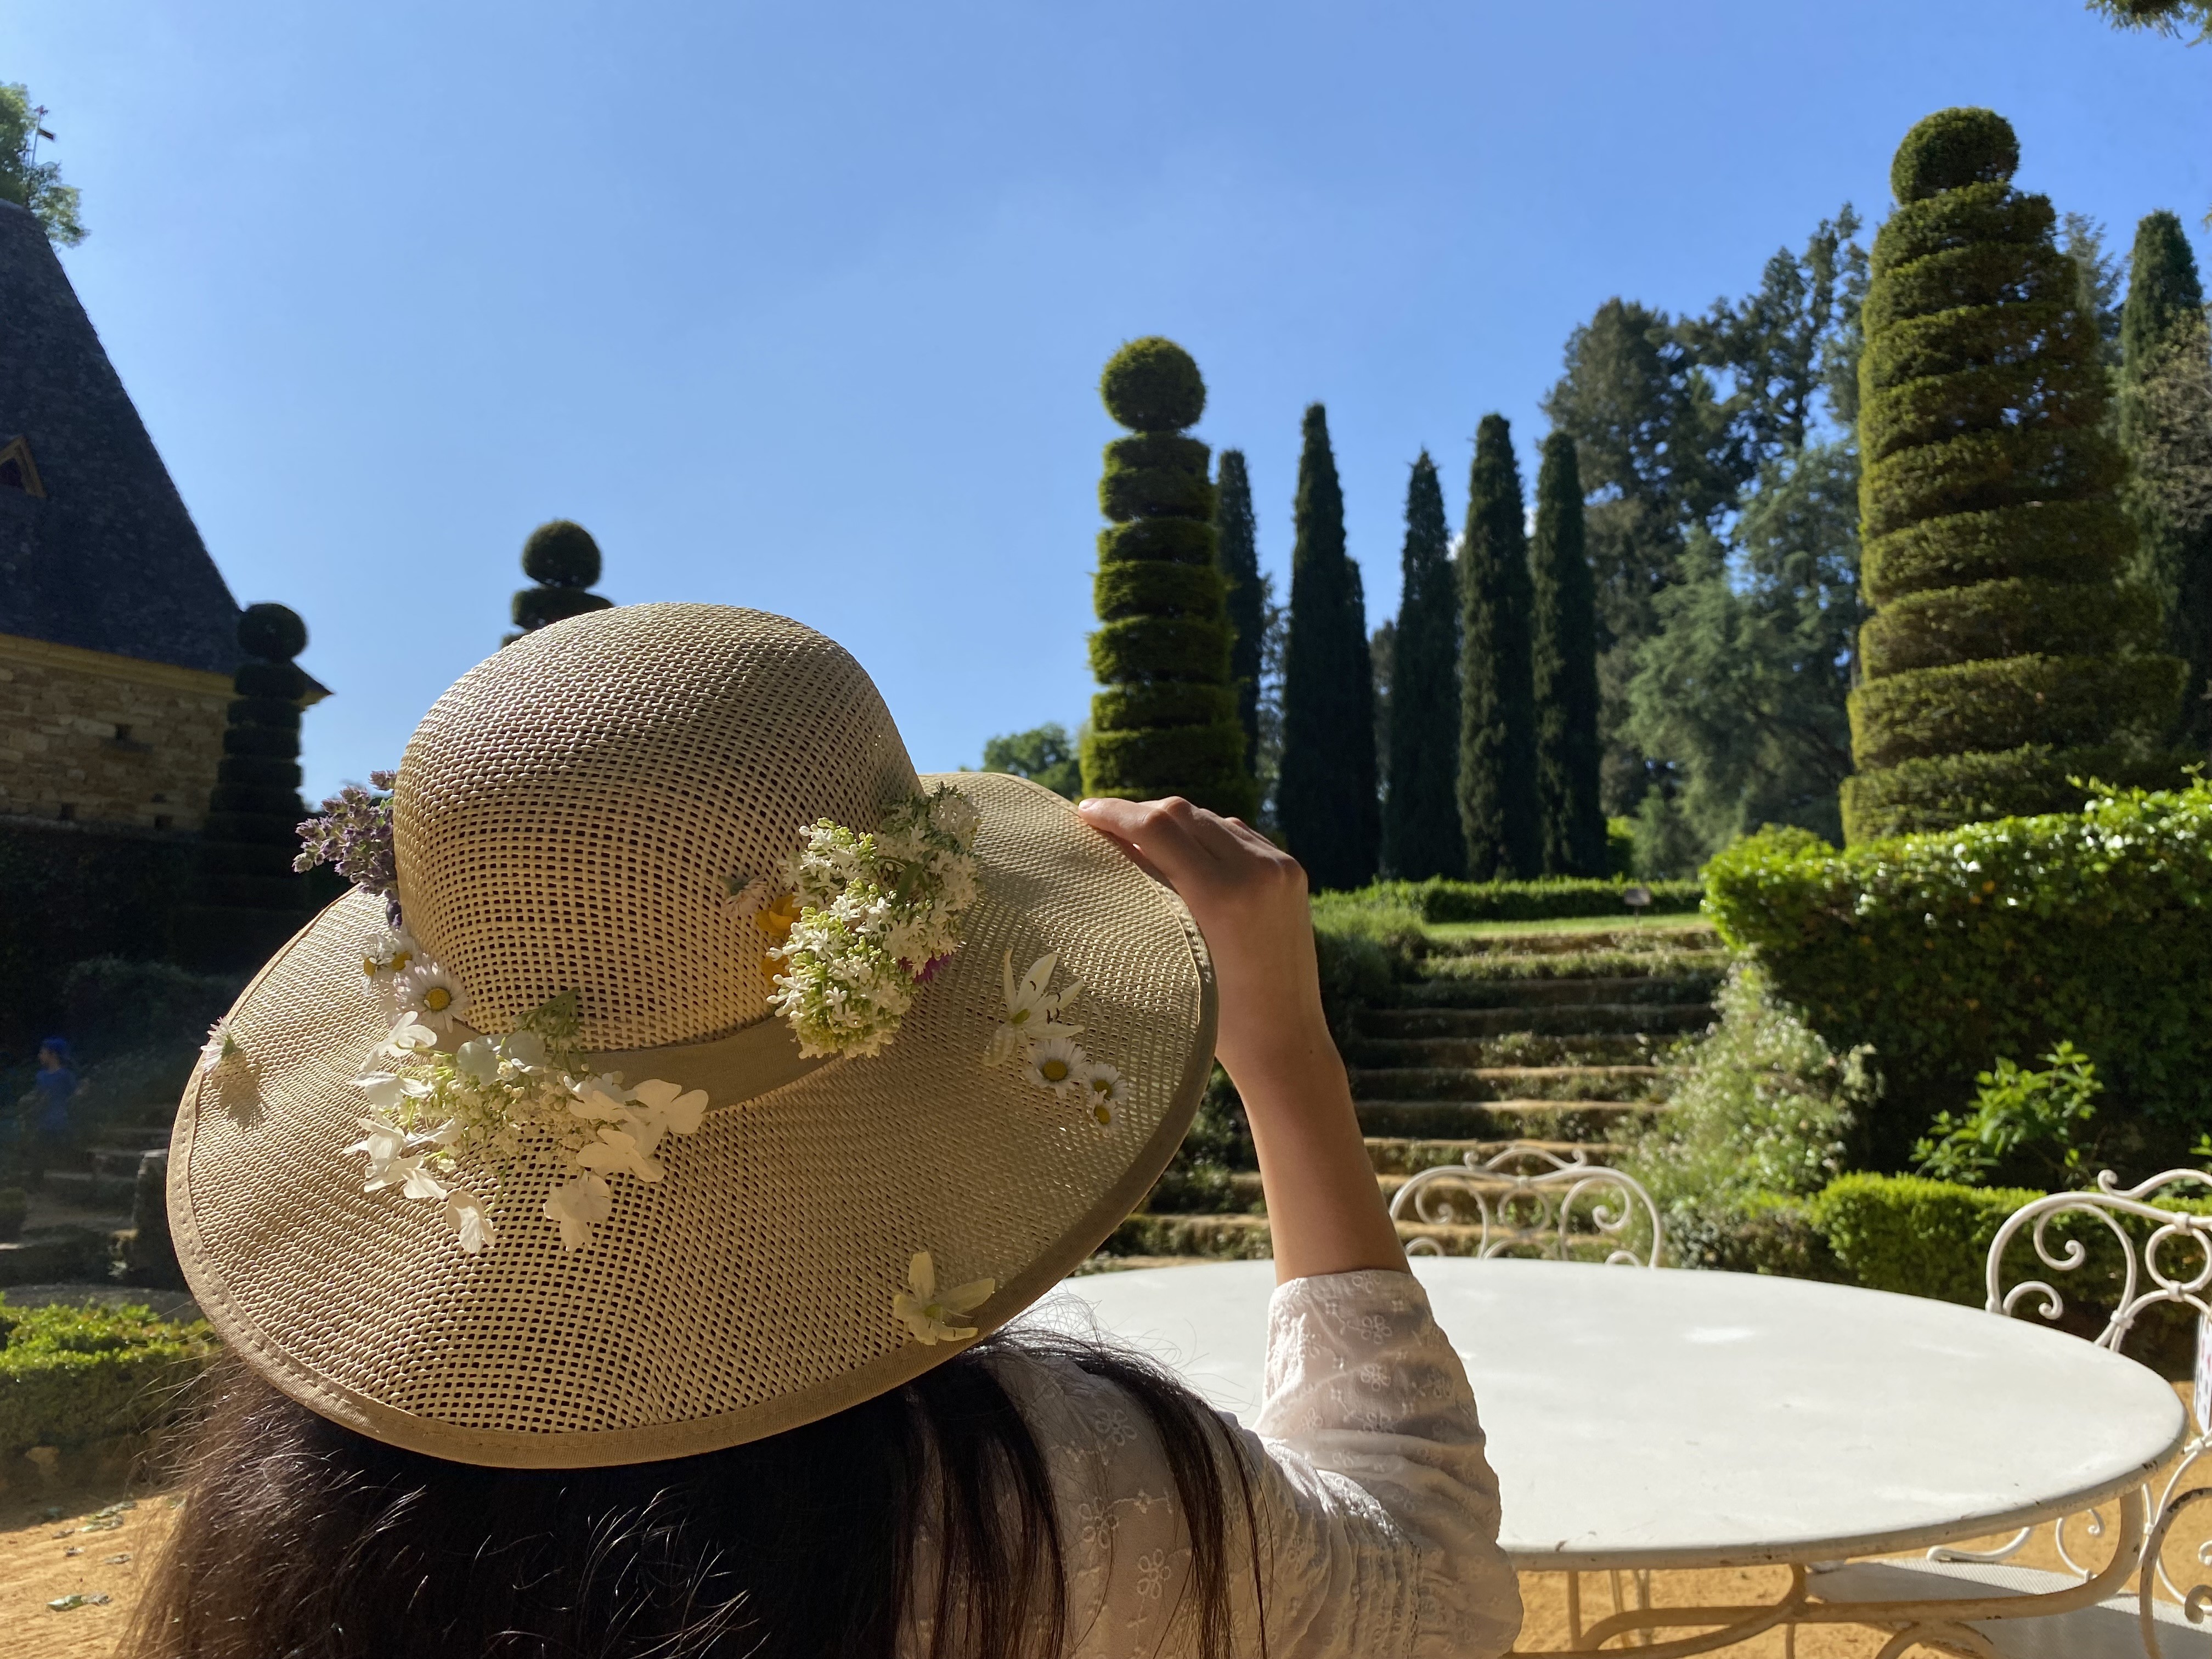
column 750, row 1291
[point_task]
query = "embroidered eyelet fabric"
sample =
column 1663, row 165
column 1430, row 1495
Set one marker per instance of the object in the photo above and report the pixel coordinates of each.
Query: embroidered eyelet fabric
column 1378, row 1510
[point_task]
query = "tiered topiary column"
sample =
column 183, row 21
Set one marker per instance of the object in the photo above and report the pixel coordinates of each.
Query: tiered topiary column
column 1166, row 723
column 2003, row 657
column 563, row 560
column 250, row 900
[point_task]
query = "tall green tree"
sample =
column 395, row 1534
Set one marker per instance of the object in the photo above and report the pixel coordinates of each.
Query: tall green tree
column 1043, row 754
column 2172, row 18
column 1995, row 667
column 1421, row 833
column 1325, row 800
column 1166, row 722
column 1564, row 671
column 2165, row 427
column 1498, row 716
column 1236, row 556
column 30, row 183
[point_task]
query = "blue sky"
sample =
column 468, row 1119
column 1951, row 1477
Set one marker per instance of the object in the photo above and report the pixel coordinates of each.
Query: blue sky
column 803, row 306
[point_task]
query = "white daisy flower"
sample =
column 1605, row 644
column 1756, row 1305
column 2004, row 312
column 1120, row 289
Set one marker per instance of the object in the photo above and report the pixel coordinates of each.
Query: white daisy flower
column 1054, row 1062
column 579, row 1206
column 430, row 994
column 221, row 1045
column 927, row 1313
column 388, row 953
column 1103, row 1091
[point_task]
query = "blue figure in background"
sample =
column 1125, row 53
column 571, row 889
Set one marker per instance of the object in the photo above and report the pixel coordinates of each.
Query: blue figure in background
column 55, row 1082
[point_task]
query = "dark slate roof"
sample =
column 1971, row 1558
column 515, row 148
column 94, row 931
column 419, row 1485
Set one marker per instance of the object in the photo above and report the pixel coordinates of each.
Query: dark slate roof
column 109, row 560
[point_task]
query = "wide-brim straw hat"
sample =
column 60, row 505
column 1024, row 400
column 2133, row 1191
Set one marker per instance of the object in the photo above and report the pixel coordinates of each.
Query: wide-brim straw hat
column 573, row 815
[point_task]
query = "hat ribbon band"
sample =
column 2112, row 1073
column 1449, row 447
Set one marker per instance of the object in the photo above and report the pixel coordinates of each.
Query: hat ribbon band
column 748, row 1062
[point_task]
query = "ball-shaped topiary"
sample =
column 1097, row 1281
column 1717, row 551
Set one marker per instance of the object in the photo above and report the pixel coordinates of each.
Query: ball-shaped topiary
column 1951, row 149
column 1167, row 722
column 274, row 632
column 1153, row 384
column 2001, row 659
column 561, row 553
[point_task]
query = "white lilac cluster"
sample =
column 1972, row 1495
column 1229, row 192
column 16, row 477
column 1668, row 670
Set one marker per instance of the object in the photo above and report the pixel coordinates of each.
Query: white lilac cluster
column 876, row 914
column 495, row 1104
column 1038, row 1035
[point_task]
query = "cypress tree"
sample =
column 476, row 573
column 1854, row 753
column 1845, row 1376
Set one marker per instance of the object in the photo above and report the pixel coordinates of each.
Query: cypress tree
column 1497, row 719
column 1989, row 517
column 1166, row 723
column 1420, row 807
column 1564, row 671
column 250, row 899
column 1236, row 557
column 563, row 560
column 2165, row 427
column 1325, row 801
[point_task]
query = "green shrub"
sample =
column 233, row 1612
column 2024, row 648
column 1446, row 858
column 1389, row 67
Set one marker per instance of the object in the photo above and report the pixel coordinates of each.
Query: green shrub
column 1172, row 541
column 1364, row 945
column 2021, row 1121
column 70, row 1376
column 1564, row 898
column 1140, row 587
column 1914, row 1236
column 1153, row 385
column 1945, row 951
column 1988, row 494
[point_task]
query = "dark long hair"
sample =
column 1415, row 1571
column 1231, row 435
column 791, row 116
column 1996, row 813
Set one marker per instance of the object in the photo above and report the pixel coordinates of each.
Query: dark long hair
column 301, row 1540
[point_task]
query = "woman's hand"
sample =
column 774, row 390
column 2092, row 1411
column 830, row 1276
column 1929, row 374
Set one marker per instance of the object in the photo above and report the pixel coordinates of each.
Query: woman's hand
column 1248, row 898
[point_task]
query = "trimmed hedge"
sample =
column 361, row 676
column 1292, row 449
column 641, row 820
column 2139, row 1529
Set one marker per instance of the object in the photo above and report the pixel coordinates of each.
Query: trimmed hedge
column 562, row 559
column 1154, row 587
column 1913, row 1236
column 1918, row 796
column 1142, row 648
column 1954, row 149
column 1165, row 703
column 72, row 1376
column 2021, row 616
column 1173, row 541
column 1947, row 951
column 1993, row 704
column 1563, row 898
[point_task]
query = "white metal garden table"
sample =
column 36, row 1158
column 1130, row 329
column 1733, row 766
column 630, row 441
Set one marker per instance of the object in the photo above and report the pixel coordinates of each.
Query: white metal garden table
column 1642, row 1419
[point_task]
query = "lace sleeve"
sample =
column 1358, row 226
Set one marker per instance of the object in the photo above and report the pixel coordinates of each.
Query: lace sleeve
column 1377, row 1510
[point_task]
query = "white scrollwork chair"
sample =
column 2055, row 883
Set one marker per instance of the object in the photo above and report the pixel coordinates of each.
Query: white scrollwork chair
column 1529, row 1199
column 2173, row 1264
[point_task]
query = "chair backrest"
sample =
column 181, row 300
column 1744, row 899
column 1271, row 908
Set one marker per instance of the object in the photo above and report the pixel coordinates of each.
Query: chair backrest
column 1529, row 1199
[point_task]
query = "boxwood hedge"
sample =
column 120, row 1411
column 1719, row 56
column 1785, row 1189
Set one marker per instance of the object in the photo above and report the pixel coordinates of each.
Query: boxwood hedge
column 71, row 1377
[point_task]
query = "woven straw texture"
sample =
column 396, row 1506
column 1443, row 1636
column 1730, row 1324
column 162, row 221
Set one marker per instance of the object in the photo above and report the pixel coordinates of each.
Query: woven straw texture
column 567, row 816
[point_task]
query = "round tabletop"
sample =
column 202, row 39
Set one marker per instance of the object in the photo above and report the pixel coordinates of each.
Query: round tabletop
column 1655, row 1418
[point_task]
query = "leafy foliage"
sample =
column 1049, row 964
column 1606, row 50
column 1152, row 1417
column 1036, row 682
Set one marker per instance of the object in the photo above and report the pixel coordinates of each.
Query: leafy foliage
column 69, row 1376
column 1325, row 799
column 1044, row 754
column 1497, row 804
column 34, row 185
column 2029, row 1124
column 1945, row 951
column 1916, row 1236
column 1410, row 902
column 1420, row 809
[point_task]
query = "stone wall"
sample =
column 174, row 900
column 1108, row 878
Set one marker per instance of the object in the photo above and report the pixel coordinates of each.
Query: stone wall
column 95, row 738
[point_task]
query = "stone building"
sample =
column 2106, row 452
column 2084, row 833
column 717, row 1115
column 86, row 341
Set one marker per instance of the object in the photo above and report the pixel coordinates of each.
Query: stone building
column 118, row 635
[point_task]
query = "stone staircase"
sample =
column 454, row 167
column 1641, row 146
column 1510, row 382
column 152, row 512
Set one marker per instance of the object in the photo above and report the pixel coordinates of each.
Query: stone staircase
column 1500, row 1035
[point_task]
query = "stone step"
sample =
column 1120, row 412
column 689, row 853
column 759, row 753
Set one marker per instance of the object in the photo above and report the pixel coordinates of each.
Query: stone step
column 1708, row 967
column 1399, row 1155
column 1654, row 1018
column 1375, row 1063
column 123, row 1160
column 1594, row 990
column 92, row 1191
column 1691, row 934
column 1498, row 1084
column 1580, row 1122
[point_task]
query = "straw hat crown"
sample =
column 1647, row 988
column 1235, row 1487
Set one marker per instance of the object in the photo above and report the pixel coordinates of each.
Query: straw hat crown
column 571, row 819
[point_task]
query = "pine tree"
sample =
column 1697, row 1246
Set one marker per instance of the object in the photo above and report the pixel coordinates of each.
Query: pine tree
column 1166, row 722
column 2165, row 427
column 1420, row 806
column 1236, row 557
column 1325, row 802
column 1497, row 719
column 563, row 560
column 1994, row 668
column 1562, row 674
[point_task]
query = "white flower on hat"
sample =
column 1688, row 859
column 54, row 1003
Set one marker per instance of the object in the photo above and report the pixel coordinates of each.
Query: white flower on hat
column 433, row 996
column 220, row 1047
column 1031, row 1006
column 617, row 1151
column 388, row 953
column 465, row 1213
column 408, row 1039
column 384, row 1145
column 579, row 1206
column 929, row 1315
column 386, row 1090
column 1102, row 1092
column 667, row 1108
column 602, row 1099
column 1056, row 1062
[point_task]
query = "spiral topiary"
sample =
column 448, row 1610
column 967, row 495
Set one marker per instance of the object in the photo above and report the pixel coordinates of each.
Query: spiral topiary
column 1166, row 723
column 250, row 900
column 2002, row 657
column 563, row 560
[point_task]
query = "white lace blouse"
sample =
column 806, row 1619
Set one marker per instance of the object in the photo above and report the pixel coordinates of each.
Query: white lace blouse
column 1367, row 1473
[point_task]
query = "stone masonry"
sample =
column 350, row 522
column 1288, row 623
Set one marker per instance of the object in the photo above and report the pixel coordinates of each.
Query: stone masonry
column 92, row 737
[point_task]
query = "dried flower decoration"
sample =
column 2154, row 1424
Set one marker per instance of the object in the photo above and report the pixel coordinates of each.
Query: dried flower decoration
column 353, row 835
column 928, row 1313
column 1036, row 1036
column 876, row 914
column 495, row 1105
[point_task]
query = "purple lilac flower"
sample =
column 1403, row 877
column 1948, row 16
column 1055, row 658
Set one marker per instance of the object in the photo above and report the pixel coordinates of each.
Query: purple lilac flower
column 353, row 835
